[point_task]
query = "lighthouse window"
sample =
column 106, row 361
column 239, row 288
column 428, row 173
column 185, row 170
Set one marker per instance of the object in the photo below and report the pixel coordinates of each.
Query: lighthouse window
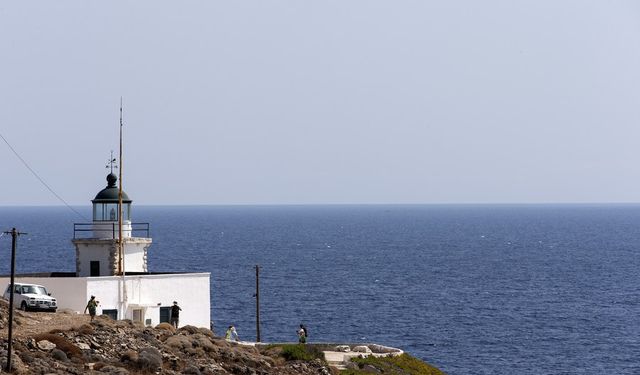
column 109, row 211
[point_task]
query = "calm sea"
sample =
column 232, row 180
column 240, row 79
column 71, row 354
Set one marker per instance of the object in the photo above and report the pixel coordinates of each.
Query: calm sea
column 470, row 289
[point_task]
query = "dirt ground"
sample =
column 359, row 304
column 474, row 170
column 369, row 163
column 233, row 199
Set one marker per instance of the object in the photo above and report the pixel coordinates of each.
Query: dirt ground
column 29, row 323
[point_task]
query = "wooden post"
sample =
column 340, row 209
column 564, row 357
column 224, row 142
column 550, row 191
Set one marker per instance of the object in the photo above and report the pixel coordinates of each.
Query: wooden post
column 14, row 243
column 257, row 303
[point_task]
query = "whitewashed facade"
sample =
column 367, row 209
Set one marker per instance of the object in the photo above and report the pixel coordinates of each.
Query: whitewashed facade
column 146, row 295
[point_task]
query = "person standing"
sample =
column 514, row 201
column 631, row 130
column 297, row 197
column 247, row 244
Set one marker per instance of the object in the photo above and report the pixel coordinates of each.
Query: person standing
column 92, row 306
column 231, row 334
column 175, row 314
column 302, row 334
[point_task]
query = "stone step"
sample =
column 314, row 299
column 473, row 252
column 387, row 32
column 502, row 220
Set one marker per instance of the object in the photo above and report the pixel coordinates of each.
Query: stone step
column 338, row 365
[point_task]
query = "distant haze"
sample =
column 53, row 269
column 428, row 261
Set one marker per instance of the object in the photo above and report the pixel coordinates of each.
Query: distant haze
column 313, row 102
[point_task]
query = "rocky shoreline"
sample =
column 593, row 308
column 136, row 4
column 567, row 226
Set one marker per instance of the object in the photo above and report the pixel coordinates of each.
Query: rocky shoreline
column 43, row 345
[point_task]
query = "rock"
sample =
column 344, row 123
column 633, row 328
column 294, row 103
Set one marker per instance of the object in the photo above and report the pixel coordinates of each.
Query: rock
column 382, row 349
column 94, row 344
column 361, row 349
column 201, row 341
column 114, row 370
column 192, row 370
column 59, row 355
column 129, row 356
column 16, row 363
column 371, row 369
column 343, row 348
column 83, row 346
column 207, row 332
column 46, row 345
column 149, row 359
column 31, row 343
column 26, row 357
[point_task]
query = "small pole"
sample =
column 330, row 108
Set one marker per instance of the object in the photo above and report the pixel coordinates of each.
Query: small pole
column 14, row 239
column 258, row 303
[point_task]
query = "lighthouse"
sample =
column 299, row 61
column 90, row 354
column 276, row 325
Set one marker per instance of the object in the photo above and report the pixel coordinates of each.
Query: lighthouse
column 98, row 254
column 121, row 280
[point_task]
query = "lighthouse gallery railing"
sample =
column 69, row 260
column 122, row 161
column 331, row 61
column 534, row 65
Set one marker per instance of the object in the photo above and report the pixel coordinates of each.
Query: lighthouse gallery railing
column 79, row 230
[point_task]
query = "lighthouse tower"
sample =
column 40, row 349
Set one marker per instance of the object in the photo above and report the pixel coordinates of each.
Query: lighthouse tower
column 98, row 254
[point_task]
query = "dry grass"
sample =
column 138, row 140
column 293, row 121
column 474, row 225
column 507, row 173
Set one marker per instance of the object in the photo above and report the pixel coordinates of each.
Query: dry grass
column 85, row 329
column 166, row 327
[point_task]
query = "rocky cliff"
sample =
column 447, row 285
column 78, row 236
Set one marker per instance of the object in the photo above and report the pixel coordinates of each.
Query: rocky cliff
column 67, row 343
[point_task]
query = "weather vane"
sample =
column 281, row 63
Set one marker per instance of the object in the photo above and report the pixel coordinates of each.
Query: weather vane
column 111, row 162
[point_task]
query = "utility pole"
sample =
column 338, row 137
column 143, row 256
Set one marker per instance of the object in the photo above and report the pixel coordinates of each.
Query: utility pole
column 258, row 303
column 14, row 239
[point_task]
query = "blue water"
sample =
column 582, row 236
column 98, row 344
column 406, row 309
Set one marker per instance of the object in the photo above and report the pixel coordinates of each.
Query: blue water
column 470, row 289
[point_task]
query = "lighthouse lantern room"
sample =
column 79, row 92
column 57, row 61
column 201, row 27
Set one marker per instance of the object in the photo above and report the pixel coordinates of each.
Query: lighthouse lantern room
column 99, row 255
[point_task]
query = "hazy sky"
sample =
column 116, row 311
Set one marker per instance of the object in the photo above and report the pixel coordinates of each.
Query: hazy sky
column 287, row 102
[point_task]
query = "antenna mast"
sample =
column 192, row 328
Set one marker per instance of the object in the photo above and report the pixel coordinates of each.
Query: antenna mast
column 120, row 247
column 120, row 239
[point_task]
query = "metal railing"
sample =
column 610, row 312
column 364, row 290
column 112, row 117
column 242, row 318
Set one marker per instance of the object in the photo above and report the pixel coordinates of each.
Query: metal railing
column 80, row 229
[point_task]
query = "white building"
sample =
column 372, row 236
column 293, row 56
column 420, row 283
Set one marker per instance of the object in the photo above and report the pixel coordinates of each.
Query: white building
column 136, row 293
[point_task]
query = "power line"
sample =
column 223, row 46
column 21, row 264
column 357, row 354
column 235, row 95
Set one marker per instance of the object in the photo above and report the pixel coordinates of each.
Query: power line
column 40, row 179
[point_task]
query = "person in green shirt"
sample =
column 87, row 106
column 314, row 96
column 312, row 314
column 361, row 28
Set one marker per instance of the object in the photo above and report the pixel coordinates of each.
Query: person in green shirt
column 231, row 334
column 92, row 306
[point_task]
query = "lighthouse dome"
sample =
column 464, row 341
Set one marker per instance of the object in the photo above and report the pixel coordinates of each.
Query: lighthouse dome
column 110, row 193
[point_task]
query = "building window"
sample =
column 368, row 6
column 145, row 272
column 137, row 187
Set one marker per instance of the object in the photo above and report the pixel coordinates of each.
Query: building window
column 94, row 267
column 113, row 314
column 165, row 314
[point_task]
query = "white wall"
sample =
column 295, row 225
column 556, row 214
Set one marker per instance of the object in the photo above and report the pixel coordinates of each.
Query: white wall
column 105, row 251
column 190, row 290
column 69, row 292
column 134, row 259
column 99, row 251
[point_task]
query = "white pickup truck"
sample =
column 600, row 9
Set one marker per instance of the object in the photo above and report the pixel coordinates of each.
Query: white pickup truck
column 31, row 297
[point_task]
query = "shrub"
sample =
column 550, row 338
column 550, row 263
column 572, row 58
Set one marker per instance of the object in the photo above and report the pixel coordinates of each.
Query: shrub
column 86, row 329
column 149, row 359
column 166, row 327
column 189, row 329
column 301, row 352
column 403, row 364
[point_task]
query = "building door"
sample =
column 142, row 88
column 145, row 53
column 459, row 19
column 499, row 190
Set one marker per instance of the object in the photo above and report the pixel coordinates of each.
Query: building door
column 113, row 314
column 137, row 315
column 165, row 314
column 95, row 268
